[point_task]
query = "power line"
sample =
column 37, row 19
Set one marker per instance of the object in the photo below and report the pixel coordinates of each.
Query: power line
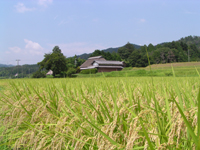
column 18, row 61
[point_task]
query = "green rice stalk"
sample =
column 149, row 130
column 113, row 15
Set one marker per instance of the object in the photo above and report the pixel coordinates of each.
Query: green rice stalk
column 146, row 134
column 198, row 120
column 194, row 137
column 103, row 134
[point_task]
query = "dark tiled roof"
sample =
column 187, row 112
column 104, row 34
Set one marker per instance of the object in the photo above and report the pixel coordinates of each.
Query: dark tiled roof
column 90, row 60
column 108, row 62
column 101, row 63
column 95, row 57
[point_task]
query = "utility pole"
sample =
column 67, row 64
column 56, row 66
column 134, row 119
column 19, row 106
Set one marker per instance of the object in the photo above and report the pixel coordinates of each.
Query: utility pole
column 75, row 62
column 17, row 66
column 188, row 56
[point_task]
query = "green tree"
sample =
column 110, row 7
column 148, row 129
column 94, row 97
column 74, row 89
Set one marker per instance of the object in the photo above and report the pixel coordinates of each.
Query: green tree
column 39, row 74
column 70, row 71
column 134, row 59
column 108, row 56
column 126, row 51
column 150, row 48
column 54, row 61
column 184, row 46
column 116, row 56
column 96, row 53
column 194, row 52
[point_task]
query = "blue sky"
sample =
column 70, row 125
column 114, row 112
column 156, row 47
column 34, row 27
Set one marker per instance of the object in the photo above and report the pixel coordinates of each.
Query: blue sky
column 31, row 28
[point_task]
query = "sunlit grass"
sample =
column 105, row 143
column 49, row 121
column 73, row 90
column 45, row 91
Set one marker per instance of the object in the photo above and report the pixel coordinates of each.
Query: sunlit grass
column 100, row 113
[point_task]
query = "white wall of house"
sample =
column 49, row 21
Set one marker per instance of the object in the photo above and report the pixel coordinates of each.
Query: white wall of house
column 95, row 64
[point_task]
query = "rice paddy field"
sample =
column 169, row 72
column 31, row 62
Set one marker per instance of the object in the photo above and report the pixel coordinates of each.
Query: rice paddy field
column 100, row 113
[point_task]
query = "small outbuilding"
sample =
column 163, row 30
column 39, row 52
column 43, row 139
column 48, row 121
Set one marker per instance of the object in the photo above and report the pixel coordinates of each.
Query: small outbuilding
column 50, row 72
column 102, row 64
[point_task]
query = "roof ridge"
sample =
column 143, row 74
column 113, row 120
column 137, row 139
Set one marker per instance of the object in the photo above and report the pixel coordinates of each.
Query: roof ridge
column 95, row 57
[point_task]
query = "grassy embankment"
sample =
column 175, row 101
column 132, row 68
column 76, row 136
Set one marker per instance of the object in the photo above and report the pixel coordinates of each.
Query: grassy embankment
column 100, row 113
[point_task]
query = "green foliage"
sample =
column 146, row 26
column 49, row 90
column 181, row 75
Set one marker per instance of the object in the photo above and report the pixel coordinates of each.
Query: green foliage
column 39, row 74
column 5, row 65
column 191, row 40
column 23, row 71
column 169, row 52
column 73, row 62
column 89, row 71
column 106, row 55
column 54, row 61
column 78, row 69
column 126, row 51
column 70, row 71
column 136, row 59
column 167, row 55
column 168, row 73
column 150, row 48
column 96, row 53
column 110, row 50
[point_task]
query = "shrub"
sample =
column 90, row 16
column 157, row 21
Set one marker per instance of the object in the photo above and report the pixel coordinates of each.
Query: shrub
column 70, row 71
column 78, row 70
column 168, row 74
column 89, row 71
column 39, row 74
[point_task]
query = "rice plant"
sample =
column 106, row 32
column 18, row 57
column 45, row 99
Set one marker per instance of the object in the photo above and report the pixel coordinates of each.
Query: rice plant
column 100, row 113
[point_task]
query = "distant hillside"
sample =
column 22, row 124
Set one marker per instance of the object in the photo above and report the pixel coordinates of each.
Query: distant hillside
column 191, row 40
column 22, row 71
column 4, row 65
column 86, row 56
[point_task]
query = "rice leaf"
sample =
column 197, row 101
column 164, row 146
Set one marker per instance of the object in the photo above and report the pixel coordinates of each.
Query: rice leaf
column 194, row 137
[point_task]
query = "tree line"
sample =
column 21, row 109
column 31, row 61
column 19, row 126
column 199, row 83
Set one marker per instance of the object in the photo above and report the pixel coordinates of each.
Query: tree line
column 21, row 71
column 175, row 51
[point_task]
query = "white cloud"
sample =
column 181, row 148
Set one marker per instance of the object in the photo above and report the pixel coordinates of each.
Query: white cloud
column 30, row 53
column 7, row 52
column 44, row 2
column 33, row 47
column 14, row 49
column 21, row 8
column 30, row 48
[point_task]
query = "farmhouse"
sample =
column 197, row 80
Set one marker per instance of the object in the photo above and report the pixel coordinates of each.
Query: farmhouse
column 102, row 64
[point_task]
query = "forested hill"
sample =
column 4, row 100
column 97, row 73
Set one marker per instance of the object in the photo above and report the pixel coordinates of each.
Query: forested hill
column 18, row 71
column 191, row 40
column 183, row 50
column 110, row 50
column 4, row 65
